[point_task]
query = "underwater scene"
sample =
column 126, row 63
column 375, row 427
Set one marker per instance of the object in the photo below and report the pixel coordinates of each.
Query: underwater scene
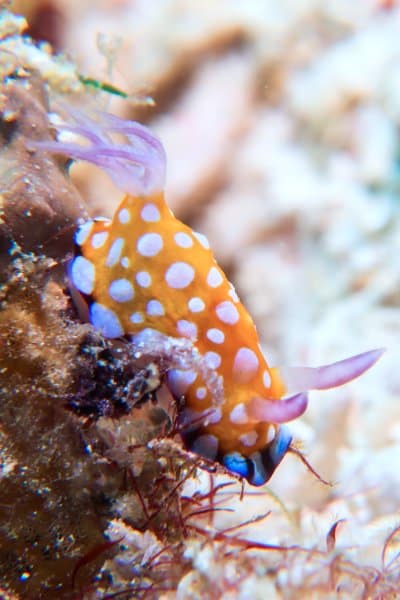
column 199, row 300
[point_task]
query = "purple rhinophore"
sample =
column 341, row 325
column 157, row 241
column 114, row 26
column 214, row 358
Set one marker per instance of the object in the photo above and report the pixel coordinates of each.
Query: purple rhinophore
column 277, row 411
column 301, row 379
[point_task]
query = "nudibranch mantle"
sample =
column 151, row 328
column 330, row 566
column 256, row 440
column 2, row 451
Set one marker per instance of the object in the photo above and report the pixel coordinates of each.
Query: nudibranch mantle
column 147, row 275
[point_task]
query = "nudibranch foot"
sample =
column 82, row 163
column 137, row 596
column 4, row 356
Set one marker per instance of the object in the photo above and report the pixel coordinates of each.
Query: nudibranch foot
column 137, row 167
column 301, row 379
column 259, row 467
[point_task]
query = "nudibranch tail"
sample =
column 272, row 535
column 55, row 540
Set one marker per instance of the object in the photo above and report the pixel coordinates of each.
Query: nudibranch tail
column 137, row 167
column 302, row 379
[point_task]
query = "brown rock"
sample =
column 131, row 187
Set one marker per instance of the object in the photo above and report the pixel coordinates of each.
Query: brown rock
column 39, row 207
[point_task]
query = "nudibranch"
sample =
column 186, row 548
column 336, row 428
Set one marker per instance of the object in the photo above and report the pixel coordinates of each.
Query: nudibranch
column 147, row 275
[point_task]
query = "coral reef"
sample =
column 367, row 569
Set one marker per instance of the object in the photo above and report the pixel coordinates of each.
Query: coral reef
column 67, row 466
column 39, row 206
column 64, row 476
column 281, row 127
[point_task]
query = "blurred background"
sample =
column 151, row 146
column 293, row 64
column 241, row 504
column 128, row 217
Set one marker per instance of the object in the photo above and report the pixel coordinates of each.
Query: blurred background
column 281, row 125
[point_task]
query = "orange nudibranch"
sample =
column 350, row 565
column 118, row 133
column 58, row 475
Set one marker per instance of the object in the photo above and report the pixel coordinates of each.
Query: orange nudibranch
column 146, row 274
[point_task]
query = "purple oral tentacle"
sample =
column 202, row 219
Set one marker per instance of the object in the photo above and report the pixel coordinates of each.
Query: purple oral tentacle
column 277, row 411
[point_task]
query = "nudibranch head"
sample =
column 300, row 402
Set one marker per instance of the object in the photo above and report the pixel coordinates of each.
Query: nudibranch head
column 146, row 274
